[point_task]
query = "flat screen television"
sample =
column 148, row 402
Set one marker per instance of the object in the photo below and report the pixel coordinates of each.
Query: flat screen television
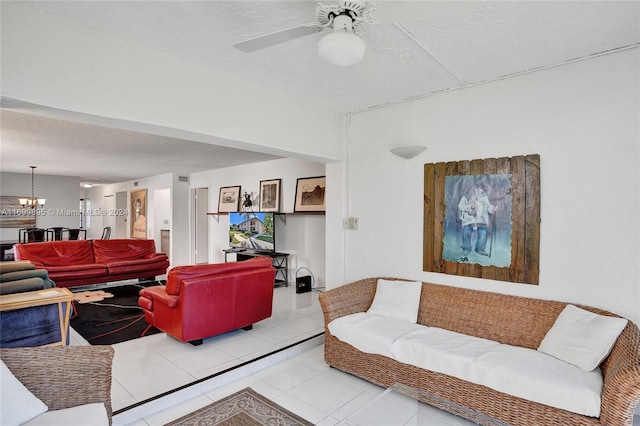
column 252, row 231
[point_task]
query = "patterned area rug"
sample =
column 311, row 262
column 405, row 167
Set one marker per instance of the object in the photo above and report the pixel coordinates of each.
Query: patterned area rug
column 244, row 408
column 107, row 318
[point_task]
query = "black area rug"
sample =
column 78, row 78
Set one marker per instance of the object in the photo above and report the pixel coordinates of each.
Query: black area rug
column 113, row 320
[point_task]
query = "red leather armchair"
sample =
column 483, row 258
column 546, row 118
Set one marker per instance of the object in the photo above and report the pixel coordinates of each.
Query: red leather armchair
column 201, row 301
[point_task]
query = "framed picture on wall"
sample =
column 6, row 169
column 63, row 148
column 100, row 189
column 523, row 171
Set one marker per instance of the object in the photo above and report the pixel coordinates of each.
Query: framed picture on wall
column 270, row 195
column 138, row 213
column 310, row 194
column 229, row 200
column 482, row 218
column 14, row 215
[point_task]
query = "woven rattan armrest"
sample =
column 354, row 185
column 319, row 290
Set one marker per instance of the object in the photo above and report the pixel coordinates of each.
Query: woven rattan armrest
column 348, row 299
column 621, row 371
column 64, row 377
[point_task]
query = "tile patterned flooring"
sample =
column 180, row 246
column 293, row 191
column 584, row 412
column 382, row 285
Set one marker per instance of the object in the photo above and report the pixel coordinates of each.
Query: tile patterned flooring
column 296, row 378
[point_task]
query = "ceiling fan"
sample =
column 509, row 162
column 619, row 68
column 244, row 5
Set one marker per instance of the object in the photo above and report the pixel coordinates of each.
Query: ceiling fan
column 343, row 47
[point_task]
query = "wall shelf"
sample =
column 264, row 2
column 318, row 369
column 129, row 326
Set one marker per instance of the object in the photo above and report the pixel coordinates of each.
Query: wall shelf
column 281, row 215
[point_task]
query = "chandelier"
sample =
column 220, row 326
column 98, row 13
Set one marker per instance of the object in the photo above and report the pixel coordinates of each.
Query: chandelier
column 32, row 202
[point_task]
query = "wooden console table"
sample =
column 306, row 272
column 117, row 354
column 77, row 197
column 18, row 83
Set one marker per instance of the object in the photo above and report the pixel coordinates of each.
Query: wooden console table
column 49, row 296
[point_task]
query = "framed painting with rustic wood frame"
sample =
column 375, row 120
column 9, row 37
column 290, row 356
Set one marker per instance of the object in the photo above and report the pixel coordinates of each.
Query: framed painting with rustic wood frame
column 310, row 194
column 229, row 199
column 138, row 213
column 270, row 195
column 498, row 236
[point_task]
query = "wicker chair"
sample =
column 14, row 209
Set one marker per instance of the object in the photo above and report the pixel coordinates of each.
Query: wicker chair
column 64, row 377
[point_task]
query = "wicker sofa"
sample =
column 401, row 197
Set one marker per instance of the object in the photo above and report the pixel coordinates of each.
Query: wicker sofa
column 64, row 377
column 510, row 320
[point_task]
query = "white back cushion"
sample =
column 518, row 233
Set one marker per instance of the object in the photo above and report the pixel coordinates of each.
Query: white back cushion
column 397, row 299
column 582, row 338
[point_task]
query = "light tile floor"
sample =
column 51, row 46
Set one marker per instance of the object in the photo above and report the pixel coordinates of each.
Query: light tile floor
column 147, row 367
column 297, row 378
column 307, row 386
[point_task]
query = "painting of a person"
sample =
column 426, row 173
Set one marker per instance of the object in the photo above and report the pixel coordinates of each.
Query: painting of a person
column 477, row 220
column 138, row 213
column 247, row 204
column 140, row 223
column 474, row 213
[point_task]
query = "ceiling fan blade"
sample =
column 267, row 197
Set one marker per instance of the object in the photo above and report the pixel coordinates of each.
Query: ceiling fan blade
column 278, row 37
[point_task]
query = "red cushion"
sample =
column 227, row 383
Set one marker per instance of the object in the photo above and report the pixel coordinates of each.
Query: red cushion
column 70, row 272
column 140, row 265
column 180, row 273
column 157, row 293
column 57, row 253
column 108, row 251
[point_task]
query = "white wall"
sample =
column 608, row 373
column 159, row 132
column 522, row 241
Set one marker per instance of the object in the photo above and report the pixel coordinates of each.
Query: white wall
column 179, row 222
column 583, row 120
column 303, row 236
column 62, row 194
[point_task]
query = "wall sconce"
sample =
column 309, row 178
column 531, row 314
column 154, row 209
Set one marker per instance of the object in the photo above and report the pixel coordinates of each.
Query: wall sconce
column 32, row 202
column 407, row 152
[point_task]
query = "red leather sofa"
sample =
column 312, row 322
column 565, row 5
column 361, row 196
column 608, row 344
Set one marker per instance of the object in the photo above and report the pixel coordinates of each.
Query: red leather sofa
column 200, row 301
column 82, row 262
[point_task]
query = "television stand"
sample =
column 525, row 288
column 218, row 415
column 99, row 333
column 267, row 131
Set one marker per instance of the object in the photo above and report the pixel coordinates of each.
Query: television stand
column 278, row 260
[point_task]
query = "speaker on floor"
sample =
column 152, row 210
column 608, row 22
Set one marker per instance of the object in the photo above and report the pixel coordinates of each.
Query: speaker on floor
column 303, row 284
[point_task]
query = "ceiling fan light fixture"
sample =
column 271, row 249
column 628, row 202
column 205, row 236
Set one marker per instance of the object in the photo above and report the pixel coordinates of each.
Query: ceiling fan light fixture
column 342, row 47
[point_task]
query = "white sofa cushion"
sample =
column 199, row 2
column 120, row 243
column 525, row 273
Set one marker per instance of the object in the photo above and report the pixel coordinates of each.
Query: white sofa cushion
column 538, row 377
column 83, row 415
column 516, row 371
column 397, row 299
column 369, row 333
column 582, row 338
column 442, row 351
column 17, row 402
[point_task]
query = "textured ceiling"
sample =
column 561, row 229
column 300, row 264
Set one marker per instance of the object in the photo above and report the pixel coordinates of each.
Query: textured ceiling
column 66, row 148
column 418, row 48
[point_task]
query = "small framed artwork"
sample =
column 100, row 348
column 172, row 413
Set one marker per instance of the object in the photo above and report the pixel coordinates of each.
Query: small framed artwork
column 229, row 200
column 270, row 195
column 138, row 213
column 14, row 215
column 310, row 194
